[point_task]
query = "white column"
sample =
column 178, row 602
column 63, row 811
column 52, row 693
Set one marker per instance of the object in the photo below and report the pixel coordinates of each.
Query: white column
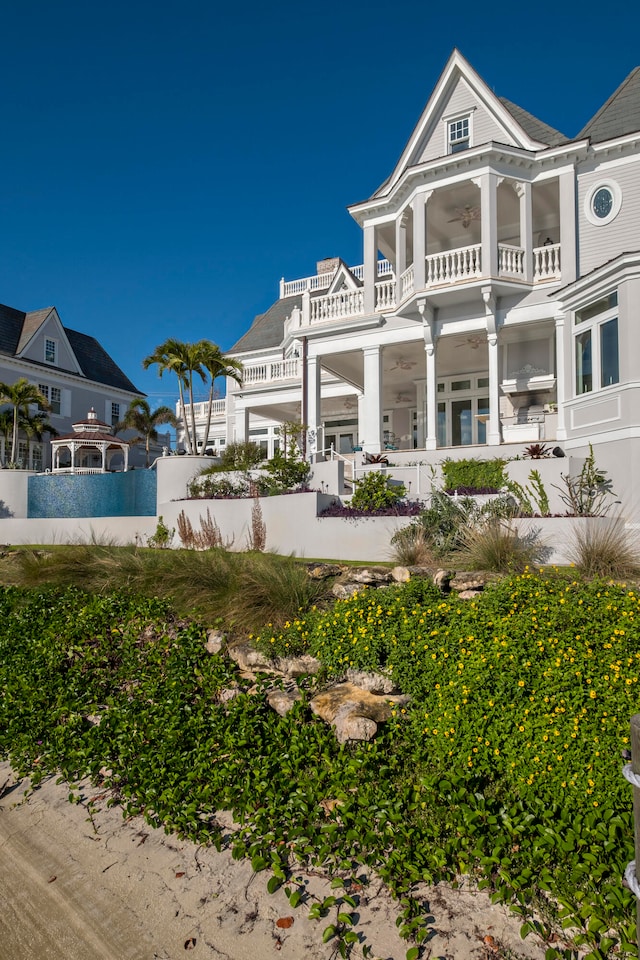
column 421, row 407
column 524, row 193
column 419, row 206
column 314, row 418
column 401, row 252
column 370, row 274
column 489, row 223
column 568, row 249
column 241, row 432
column 427, row 314
column 370, row 409
column 493, row 432
column 564, row 384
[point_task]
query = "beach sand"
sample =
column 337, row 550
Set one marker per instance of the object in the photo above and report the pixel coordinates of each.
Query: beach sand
column 79, row 882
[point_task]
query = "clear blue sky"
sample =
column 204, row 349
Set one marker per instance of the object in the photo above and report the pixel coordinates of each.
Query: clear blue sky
column 164, row 164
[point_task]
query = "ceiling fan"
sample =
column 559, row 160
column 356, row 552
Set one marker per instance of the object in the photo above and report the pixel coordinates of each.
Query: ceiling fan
column 465, row 215
column 403, row 365
column 473, row 342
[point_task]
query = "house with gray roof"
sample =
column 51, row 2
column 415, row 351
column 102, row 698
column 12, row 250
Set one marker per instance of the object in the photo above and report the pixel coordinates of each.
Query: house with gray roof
column 495, row 305
column 71, row 369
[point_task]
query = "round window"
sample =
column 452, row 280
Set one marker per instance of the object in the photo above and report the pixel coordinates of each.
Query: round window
column 603, row 203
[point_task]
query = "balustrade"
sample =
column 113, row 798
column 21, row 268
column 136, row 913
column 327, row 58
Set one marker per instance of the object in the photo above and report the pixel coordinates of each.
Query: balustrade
column 510, row 260
column 386, row 295
column 345, row 303
column 452, row 266
column 406, row 282
column 546, row 262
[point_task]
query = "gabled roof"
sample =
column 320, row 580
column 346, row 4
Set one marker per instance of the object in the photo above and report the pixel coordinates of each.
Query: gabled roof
column 520, row 127
column 267, row 330
column 537, row 129
column 620, row 115
column 32, row 323
column 17, row 328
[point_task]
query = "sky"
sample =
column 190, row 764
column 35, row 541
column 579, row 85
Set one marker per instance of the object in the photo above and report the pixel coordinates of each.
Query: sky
column 163, row 164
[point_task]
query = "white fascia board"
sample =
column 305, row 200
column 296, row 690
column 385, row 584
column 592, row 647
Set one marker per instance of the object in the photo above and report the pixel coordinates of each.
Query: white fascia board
column 533, row 313
column 620, row 143
column 458, row 66
column 599, row 281
column 604, row 162
column 36, row 371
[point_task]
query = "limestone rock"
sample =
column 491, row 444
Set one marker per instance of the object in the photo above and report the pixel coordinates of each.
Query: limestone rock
column 342, row 591
column 303, row 666
column 371, row 682
column 469, row 594
column 467, row 581
column 283, row 700
column 215, row 641
column 354, row 713
column 323, row 571
column 250, row 660
column 229, row 693
column 443, row 578
column 371, row 575
column 401, row 574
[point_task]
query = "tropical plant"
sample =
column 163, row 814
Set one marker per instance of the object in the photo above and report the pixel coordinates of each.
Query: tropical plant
column 163, row 535
column 140, row 417
column 374, row 492
column 537, row 451
column 182, row 360
column 187, row 361
column 590, row 493
column 214, row 362
column 21, row 395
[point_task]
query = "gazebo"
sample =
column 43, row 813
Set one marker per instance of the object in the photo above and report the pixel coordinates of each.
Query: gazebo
column 91, row 447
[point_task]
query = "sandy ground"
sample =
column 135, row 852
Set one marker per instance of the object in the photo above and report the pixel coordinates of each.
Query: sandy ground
column 80, row 883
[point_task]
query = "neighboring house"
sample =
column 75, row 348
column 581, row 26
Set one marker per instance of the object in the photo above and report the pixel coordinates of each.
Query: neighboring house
column 70, row 369
column 498, row 301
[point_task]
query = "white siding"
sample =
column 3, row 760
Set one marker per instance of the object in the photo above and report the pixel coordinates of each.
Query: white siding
column 484, row 127
column 600, row 243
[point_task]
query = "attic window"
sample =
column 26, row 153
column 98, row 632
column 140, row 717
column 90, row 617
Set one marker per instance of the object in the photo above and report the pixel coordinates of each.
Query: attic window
column 50, row 350
column 458, row 134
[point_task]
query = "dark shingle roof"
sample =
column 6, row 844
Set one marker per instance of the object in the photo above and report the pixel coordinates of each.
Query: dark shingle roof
column 11, row 322
column 267, row 330
column 17, row 328
column 619, row 115
column 95, row 362
column 535, row 128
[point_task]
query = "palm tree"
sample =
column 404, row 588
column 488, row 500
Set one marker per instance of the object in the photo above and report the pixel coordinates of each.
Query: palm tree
column 21, row 395
column 140, row 417
column 216, row 365
column 180, row 358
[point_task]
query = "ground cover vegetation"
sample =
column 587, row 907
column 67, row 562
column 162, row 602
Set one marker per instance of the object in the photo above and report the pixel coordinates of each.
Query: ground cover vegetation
column 505, row 764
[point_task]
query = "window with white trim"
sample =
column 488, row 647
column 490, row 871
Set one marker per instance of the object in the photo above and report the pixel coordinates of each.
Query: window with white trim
column 115, row 414
column 458, row 134
column 596, row 350
column 50, row 350
column 53, row 395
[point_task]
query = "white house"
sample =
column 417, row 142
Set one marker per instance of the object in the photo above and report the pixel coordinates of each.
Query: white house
column 497, row 303
column 71, row 369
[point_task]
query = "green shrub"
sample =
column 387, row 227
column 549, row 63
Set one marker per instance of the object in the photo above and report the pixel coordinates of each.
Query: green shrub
column 374, row 491
column 286, row 472
column 474, row 474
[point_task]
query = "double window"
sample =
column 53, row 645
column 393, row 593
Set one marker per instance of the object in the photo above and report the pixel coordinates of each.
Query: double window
column 53, row 395
column 597, row 361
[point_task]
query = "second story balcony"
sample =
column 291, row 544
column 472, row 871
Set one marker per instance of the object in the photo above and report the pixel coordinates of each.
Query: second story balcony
column 449, row 241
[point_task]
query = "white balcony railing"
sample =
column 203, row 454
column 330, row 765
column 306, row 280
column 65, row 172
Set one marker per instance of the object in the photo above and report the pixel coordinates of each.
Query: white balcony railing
column 453, row 266
column 510, row 260
column 546, row 263
column 270, row 371
column 406, row 282
column 201, row 410
column 386, row 294
column 322, row 281
column 336, row 306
